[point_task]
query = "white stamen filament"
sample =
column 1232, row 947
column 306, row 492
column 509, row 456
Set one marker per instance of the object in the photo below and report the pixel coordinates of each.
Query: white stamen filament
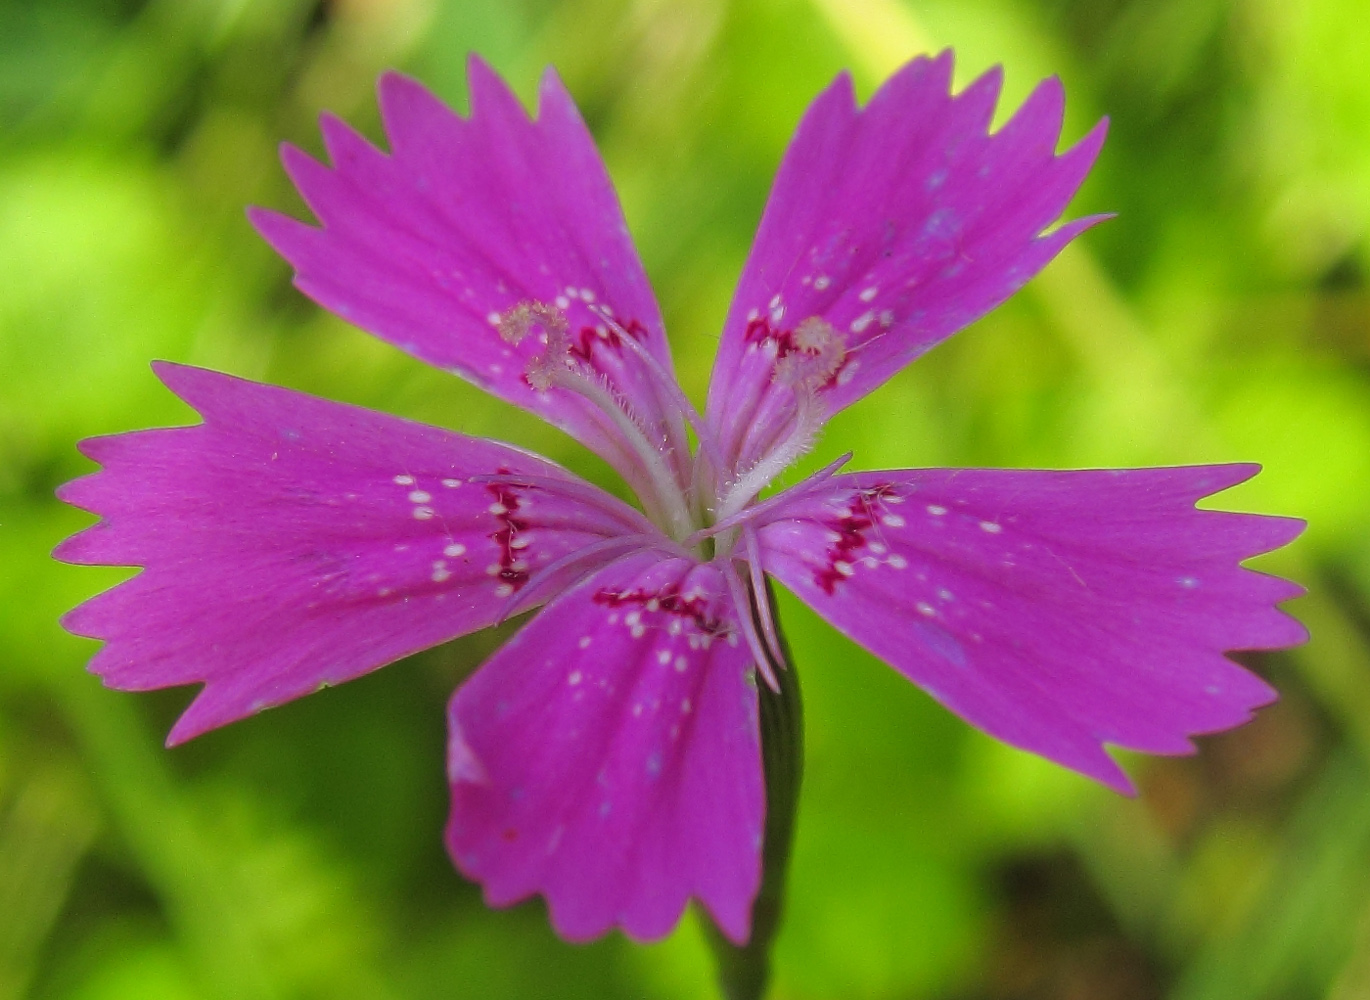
column 666, row 490
column 554, row 368
column 808, row 420
column 665, row 380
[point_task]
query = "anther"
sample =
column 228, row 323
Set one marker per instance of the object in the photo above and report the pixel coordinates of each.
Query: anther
column 818, row 352
column 517, row 323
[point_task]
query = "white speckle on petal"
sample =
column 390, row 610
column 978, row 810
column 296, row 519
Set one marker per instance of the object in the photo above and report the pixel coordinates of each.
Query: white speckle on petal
column 492, row 318
column 562, row 302
column 637, row 631
column 404, row 480
column 775, row 301
column 423, row 513
column 504, row 590
column 936, row 510
column 945, row 594
column 681, row 664
column 440, row 572
column 451, row 484
column 991, row 527
column 498, row 509
column 821, row 282
column 892, row 521
column 663, row 657
column 845, row 568
column 752, row 315
column 924, row 608
column 685, row 706
column 868, row 293
column 584, row 642
column 861, row 322
column 420, row 496
column 897, row 562
column 454, row 550
column 521, row 542
column 1188, row 582
column 493, row 569
column 574, row 678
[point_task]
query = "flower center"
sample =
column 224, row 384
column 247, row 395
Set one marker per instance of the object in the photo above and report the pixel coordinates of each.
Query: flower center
column 805, row 362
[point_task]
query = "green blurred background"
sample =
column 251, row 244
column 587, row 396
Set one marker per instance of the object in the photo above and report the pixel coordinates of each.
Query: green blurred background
column 1224, row 315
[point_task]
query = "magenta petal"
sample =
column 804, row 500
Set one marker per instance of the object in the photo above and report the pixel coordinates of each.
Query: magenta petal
column 608, row 757
column 898, row 225
column 1057, row 611
column 465, row 219
column 290, row 542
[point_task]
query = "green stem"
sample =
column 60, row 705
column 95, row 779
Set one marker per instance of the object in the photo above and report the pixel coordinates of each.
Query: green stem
column 743, row 972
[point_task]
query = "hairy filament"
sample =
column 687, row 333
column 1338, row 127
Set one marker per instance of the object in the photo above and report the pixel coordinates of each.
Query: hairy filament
column 555, row 367
column 808, row 421
column 708, row 443
column 666, row 488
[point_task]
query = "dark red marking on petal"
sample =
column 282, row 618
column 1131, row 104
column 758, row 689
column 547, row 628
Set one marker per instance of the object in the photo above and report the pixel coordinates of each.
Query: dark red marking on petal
column 670, row 600
column 583, row 346
column 760, row 330
column 513, row 566
column 851, row 527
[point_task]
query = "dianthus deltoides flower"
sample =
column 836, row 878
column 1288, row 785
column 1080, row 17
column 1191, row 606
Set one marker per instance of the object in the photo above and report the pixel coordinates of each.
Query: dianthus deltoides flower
column 609, row 756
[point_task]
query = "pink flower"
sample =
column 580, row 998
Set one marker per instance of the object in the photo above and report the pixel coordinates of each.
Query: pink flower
column 608, row 757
